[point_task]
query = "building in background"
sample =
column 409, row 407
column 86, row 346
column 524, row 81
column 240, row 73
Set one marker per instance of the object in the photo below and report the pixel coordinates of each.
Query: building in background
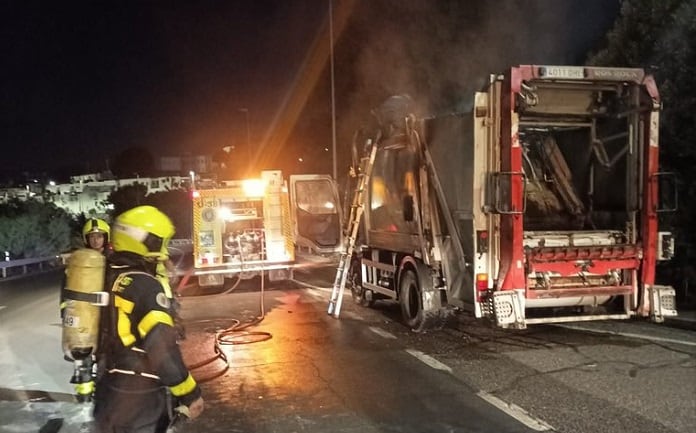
column 88, row 193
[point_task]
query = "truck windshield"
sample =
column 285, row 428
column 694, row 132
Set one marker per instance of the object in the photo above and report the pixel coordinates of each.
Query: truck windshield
column 317, row 213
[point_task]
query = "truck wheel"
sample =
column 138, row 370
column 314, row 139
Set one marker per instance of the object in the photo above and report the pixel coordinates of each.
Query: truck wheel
column 354, row 281
column 411, row 300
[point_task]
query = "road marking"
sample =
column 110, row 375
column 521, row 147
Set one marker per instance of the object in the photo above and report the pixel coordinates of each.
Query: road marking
column 429, row 360
column 630, row 335
column 382, row 333
column 516, row 412
column 3, row 306
column 511, row 409
column 351, row 315
column 312, row 286
column 314, row 293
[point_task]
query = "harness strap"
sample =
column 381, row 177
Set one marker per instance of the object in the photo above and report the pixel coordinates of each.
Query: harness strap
column 95, row 298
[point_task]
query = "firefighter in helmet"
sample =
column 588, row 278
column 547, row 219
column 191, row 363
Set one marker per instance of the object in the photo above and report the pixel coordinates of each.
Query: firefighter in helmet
column 142, row 365
column 95, row 234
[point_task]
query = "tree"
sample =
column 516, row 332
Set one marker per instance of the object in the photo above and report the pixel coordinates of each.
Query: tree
column 126, row 197
column 659, row 35
column 33, row 229
column 177, row 205
column 133, row 162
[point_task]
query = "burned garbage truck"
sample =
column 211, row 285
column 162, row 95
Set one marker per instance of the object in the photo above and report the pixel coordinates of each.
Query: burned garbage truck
column 539, row 205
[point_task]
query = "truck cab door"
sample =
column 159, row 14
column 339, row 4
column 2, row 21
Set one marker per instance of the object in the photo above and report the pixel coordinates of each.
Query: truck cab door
column 316, row 210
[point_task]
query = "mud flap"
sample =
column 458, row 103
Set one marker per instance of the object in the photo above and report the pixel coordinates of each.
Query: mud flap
column 662, row 302
column 508, row 309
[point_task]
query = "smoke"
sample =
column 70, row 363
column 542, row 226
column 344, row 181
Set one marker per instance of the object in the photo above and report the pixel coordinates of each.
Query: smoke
column 441, row 52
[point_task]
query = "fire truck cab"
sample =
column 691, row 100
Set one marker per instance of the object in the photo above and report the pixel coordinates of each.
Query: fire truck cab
column 246, row 227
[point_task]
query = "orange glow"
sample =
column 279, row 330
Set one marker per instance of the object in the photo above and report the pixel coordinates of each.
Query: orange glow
column 307, row 78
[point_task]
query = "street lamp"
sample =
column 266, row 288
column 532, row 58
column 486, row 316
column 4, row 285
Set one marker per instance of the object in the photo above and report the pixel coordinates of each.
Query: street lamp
column 248, row 141
column 333, row 90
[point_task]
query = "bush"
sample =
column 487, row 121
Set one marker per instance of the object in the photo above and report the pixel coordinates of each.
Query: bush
column 33, row 229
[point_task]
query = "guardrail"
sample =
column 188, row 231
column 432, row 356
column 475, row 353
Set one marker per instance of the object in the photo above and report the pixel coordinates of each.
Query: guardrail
column 11, row 268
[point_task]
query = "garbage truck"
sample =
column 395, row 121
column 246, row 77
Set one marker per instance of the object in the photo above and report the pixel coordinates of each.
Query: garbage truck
column 539, row 204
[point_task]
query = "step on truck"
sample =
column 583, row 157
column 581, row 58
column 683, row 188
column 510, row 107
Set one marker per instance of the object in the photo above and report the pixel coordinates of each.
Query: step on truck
column 244, row 227
column 538, row 205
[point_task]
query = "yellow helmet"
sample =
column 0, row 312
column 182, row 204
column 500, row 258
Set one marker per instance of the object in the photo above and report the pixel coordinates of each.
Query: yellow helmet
column 95, row 225
column 143, row 230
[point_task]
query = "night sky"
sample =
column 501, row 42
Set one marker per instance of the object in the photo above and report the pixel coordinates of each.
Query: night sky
column 84, row 80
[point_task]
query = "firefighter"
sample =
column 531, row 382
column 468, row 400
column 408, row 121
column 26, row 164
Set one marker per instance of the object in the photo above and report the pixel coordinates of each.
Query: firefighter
column 144, row 373
column 95, row 234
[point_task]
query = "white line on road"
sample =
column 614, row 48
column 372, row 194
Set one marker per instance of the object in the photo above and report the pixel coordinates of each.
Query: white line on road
column 382, row 333
column 351, row 315
column 516, row 412
column 315, row 293
column 312, row 286
column 630, row 335
column 429, row 360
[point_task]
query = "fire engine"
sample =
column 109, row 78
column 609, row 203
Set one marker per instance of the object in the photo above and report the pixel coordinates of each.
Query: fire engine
column 539, row 204
column 244, row 227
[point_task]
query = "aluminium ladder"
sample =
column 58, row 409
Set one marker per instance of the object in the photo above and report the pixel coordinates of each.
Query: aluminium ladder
column 356, row 212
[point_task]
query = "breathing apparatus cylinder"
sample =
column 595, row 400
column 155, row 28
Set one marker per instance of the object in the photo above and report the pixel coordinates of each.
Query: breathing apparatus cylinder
column 85, row 282
column 83, row 297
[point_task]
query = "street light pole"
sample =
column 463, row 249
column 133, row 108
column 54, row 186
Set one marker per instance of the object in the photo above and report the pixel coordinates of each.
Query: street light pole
column 248, row 141
column 333, row 91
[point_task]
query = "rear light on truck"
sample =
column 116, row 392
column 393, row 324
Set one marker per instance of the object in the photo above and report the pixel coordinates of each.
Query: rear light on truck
column 481, row 286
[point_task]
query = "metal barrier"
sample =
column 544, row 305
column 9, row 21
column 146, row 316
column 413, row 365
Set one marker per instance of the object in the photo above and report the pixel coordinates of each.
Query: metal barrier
column 10, row 268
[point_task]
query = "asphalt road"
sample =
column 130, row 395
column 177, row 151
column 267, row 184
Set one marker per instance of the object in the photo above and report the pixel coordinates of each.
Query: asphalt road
column 300, row 370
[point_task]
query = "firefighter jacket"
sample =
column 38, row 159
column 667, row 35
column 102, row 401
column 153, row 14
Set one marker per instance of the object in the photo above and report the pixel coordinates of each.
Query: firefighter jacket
column 139, row 329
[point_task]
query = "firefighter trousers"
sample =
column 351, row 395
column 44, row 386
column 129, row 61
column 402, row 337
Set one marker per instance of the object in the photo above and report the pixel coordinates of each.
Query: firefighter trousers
column 130, row 404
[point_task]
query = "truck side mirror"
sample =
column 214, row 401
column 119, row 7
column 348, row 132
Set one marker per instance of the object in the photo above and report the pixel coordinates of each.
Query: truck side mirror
column 407, row 207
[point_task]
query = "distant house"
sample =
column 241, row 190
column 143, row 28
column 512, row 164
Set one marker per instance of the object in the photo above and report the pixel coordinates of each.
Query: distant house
column 7, row 194
column 87, row 195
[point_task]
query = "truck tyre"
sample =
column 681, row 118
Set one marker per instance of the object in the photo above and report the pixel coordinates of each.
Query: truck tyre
column 354, row 282
column 411, row 300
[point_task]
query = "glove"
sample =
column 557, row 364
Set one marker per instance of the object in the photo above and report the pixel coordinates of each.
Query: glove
column 193, row 410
